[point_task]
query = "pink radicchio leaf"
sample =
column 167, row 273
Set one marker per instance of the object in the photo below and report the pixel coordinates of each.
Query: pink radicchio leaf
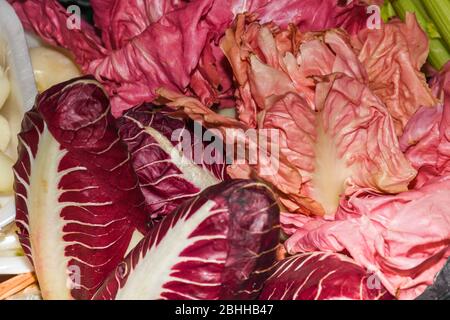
column 268, row 63
column 303, row 14
column 333, row 129
column 170, row 157
column 404, row 239
column 331, row 151
column 122, row 20
column 393, row 57
column 164, row 54
column 219, row 245
column 79, row 207
column 321, row 276
column 50, row 20
column 316, row 15
column 274, row 169
column 426, row 139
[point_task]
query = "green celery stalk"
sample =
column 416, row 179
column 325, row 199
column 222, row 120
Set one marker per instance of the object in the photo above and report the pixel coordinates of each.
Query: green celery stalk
column 387, row 11
column 439, row 55
column 439, row 11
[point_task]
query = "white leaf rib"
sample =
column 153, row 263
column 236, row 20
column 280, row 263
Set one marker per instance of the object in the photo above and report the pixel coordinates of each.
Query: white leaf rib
column 303, row 284
column 161, row 179
column 203, row 284
column 102, row 225
column 312, row 255
column 121, row 164
column 152, row 163
column 108, row 148
column 148, row 145
column 319, row 285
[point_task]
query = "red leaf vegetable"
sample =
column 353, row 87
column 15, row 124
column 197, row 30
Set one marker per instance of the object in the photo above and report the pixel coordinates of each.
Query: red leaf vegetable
column 79, row 208
column 403, row 239
column 393, row 66
column 170, row 158
column 164, row 42
column 218, row 245
column 322, row 276
column 49, row 20
column 336, row 135
column 120, row 21
column 426, row 140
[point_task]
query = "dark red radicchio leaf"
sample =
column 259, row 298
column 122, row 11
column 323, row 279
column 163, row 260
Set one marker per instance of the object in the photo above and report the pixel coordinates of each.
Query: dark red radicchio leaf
column 79, row 207
column 219, row 245
column 171, row 160
column 322, row 276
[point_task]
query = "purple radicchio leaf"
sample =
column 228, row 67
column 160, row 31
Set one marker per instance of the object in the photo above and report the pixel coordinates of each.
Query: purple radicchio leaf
column 322, row 276
column 79, row 207
column 171, row 160
column 219, row 245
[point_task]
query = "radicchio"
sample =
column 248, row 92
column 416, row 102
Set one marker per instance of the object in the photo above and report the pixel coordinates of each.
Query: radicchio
column 122, row 20
column 336, row 133
column 49, row 20
column 219, row 245
column 170, row 158
column 393, row 57
column 150, row 44
column 426, row 140
column 77, row 196
column 321, row 276
column 403, row 239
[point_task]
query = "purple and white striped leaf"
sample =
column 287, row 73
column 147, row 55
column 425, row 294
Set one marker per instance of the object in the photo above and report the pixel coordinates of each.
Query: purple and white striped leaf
column 219, row 245
column 172, row 161
column 322, row 276
column 79, row 207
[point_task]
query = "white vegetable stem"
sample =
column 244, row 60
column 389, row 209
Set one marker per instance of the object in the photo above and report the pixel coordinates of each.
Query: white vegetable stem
column 9, row 245
column 5, row 87
column 5, row 134
column 51, row 67
column 6, row 174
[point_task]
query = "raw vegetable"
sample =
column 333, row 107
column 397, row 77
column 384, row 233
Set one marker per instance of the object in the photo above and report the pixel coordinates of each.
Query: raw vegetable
column 169, row 157
column 49, row 20
column 12, row 259
column 168, row 46
column 51, row 67
column 5, row 90
column 439, row 50
column 6, row 174
column 321, row 276
column 17, row 87
column 333, row 140
column 393, row 67
column 5, row 134
column 7, row 210
column 77, row 196
column 357, row 122
column 122, row 20
column 403, row 239
column 17, row 95
column 5, row 87
column 9, row 243
column 439, row 11
column 426, row 140
column 219, row 245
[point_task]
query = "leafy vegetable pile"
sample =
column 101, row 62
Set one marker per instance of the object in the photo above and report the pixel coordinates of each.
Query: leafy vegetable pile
column 362, row 189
